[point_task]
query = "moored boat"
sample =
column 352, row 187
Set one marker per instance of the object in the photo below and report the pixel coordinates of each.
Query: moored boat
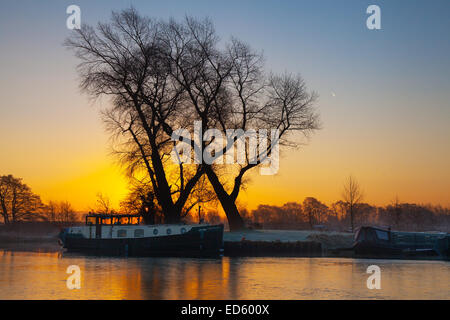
column 125, row 235
column 375, row 242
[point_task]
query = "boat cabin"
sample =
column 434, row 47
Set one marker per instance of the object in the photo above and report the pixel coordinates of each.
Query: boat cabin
column 113, row 219
column 417, row 240
column 373, row 241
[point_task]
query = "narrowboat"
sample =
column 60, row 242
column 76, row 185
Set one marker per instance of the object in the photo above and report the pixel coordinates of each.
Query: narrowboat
column 126, row 235
column 373, row 242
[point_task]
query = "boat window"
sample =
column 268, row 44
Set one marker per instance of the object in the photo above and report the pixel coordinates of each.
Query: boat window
column 134, row 220
column 139, row 232
column 90, row 220
column 360, row 235
column 124, row 220
column 382, row 235
column 155, row 231
column 169, row 231
column 183, row 230
column 121, row 233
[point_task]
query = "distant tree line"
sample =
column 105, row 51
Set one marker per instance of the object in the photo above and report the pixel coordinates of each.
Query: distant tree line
column 18, row 203
column 345, row 214
column 312, row 213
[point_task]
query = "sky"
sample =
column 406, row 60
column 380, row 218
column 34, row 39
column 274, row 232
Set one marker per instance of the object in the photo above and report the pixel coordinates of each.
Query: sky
column 384, row 97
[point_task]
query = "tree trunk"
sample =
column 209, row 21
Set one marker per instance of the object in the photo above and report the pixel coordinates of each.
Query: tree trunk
column 351, row 217
column 235, row 220
column 164, row 196
column 172, row 217
column 5, row 218
column 310, row 219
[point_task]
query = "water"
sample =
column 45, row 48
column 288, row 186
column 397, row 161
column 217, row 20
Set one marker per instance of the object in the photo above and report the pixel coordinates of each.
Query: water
column 28, row 275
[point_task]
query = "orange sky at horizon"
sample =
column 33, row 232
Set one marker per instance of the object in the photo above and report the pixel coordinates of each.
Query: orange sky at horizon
column 75, row 165
column 301, row 175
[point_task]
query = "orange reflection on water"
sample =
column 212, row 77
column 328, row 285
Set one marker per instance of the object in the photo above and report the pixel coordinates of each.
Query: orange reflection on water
column 43, row 276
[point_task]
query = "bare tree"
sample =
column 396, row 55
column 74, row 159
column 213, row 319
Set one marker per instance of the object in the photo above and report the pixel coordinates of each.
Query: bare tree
column 123, row 60
column 59, row 211
column 139, row 196
column 165, row 75
column 103, row 204
column 352, row 196
column 315, row 210
column 213, row 217
column 51, row 211
column 17, row 201
column 227, row 89
column 141, row 200
column 66, row 212
column 397, row 211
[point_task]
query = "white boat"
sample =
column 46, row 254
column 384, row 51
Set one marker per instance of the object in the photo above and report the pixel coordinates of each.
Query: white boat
column 126, row 235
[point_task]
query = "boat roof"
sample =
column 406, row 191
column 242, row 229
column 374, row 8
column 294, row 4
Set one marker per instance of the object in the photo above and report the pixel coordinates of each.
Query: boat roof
column 402, row 232
column 114, row 215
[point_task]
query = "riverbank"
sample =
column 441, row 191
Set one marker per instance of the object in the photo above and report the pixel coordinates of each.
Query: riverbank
column 35, row 237
column 43, row 237
column 296, row 243
column 30, row 245
column 328, row 239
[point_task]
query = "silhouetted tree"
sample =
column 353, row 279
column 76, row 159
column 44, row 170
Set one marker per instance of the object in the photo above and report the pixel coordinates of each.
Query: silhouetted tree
column 66, row 212
column 213, row 217
column 290, row 215
column 61, row 211
column 51, row 211
column 165, row 75
column 226, row 89
column 338, row 213
column 141, row 200
column 17, row 201
column 125, row 60
column 396, row 212
column 103, row 204
column 315, row 210
column 352, row 196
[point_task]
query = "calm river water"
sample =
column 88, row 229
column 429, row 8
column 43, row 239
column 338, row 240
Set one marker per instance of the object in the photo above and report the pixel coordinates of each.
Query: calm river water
column 29, row 275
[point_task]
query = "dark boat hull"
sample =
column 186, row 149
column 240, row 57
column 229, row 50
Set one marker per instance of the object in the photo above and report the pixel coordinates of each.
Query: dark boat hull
column 370, row 250
column 199, row 241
